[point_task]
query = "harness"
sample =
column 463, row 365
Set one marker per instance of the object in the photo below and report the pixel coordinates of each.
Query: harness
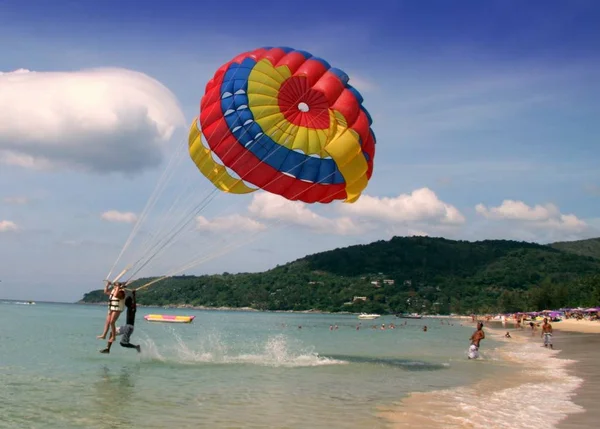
column 114, row 303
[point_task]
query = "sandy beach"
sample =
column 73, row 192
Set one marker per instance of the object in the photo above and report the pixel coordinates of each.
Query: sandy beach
column 578, row 341
column 550, row 388
column 580, row 326
column 581, row 342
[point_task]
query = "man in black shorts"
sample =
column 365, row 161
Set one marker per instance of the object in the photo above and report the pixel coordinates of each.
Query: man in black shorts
column 127, row 329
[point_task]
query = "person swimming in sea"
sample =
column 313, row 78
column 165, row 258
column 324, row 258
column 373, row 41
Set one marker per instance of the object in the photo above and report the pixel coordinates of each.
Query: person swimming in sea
column 126, row 330
column 476, row 338
column 116, row 305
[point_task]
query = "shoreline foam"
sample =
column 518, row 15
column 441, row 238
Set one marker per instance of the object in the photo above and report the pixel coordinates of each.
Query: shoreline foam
column 583, row 348
column 544, row 390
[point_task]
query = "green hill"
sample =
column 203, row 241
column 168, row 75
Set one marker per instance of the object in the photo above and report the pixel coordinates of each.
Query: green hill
column 421, row 274
column 590, row 247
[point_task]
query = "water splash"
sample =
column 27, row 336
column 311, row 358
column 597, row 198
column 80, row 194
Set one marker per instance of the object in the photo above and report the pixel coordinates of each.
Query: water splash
column 150, row 351
column 276, row 351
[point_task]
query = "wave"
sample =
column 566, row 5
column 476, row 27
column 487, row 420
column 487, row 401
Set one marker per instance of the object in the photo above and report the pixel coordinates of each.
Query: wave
column 18, row 302
column 407, row 364
column 538, row 394
column 276, row 351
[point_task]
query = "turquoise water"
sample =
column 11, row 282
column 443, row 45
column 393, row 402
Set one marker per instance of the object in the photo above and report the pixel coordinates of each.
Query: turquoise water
column 225, row 370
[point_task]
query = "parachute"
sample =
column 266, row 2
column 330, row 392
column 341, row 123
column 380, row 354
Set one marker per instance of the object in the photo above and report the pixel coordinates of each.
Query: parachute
column 278, row 120
column 287, row 123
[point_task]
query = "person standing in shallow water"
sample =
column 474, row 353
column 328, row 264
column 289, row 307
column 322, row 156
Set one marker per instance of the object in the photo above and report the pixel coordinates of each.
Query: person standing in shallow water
column 476, row 338
column 127, row 330
column 547, row 333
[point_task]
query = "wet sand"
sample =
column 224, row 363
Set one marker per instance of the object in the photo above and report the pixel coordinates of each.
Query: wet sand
column 579, row 341
column 552, row 389
column 585, row 349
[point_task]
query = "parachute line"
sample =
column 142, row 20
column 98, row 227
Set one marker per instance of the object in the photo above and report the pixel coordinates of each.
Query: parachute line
column 189, row 203
column 149, row 204
column 165, row 240
column 220, row 252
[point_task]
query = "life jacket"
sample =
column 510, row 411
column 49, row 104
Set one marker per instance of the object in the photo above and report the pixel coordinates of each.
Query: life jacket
column 114, row 303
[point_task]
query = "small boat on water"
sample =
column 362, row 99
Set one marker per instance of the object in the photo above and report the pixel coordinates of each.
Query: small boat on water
column 168, row 318
column 365, row 316
column 409, row 316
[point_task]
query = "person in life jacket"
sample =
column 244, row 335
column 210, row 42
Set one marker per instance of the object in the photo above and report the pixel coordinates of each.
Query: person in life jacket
column 126, row 330
column 116, row 305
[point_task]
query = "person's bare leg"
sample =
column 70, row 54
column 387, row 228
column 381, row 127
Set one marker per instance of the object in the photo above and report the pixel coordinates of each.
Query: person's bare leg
column 113, row 325
column 106, row 326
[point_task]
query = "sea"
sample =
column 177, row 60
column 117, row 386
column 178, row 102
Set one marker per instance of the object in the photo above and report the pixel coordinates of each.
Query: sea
column 236, row 369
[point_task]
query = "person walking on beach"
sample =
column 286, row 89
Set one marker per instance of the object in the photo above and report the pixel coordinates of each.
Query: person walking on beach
column 547, row 333
column 476, row 338
column 127, row 330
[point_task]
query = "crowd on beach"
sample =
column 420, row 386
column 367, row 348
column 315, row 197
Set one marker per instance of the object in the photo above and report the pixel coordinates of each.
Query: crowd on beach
column 536, row 317
column 578, row 314
column 542, row 320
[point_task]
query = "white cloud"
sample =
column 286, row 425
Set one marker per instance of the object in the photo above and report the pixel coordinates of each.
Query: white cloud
column 232, row 223
column 17, row 200
column 444, row 181
column 100, row 120
column 407, row 214
column 417, row 233
column 420, row 206
column 7, row 226
column 595, row 223
column 119, row 217
column 474, row 98
column 546, row 216
column 273, row 207
column 361, row 84
column 593, row 189
column 74, row 243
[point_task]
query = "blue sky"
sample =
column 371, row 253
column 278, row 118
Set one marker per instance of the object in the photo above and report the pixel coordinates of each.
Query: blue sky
column 485, row 115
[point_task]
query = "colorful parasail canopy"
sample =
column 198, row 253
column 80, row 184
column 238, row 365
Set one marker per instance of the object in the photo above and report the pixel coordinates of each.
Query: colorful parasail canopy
column 286, row 122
